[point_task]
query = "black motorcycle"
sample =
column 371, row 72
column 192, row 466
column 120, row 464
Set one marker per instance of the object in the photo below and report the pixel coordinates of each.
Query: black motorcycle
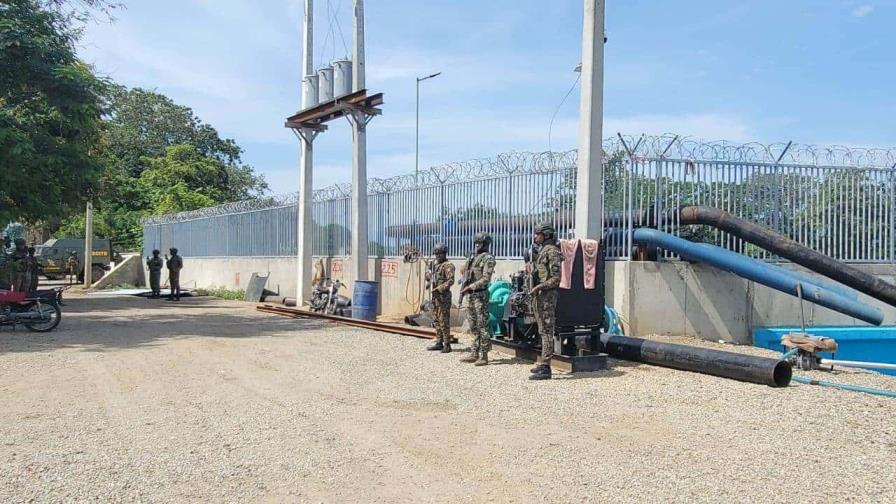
column 325, row 298
column 37, row 311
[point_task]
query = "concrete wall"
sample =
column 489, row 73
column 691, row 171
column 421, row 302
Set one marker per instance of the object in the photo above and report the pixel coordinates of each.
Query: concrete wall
column 679, row 298
column 675, row 298
column 129, row 271
column 401, row 284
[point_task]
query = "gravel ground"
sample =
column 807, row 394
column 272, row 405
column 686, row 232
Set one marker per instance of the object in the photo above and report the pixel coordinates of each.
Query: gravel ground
column 211, row 401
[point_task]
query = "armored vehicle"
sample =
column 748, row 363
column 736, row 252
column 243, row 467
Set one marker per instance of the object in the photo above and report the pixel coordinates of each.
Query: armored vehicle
column 53, row 257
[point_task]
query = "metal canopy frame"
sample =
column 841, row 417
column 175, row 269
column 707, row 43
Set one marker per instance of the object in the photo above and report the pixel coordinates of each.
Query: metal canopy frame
column 314, row 118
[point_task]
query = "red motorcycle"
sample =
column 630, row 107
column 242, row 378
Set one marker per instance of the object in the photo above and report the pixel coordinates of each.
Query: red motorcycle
column 37, row 311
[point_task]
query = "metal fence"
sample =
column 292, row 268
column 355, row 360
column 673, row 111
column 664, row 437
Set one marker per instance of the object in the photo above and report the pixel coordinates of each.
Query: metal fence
column 841, row 202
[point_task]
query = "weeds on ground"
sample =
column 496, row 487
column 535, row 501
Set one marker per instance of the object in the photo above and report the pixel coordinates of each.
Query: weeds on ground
column 223, row 293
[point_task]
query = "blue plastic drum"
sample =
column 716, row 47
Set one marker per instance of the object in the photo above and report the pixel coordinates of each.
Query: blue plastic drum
column 364, row 299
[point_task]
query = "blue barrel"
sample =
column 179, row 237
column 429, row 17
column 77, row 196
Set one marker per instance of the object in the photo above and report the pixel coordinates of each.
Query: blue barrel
column 364, row 299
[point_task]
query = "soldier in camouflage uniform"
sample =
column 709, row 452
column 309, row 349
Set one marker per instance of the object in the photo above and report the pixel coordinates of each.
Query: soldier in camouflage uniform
column 174, row 264
column 544, row 301
column 441, row 281
column 6, row 266
column 72, row 266
column 481, row 270
column 20, row 277
column 34, row 269
column 154, row 265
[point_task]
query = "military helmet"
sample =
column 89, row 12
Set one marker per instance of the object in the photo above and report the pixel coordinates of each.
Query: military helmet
column 173, row 250
column 547, row 229
column 483, row 238
column 155, row 252
column 440, row 249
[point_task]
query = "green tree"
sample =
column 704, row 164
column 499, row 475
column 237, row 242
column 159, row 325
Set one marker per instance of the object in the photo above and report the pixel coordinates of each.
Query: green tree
column 191, row 166
column 184, row 180
column 50, row 115
column 142, row 124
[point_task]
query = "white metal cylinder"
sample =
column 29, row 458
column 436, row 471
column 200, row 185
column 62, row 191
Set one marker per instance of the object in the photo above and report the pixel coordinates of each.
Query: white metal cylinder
column 342, row 77
column 309, row 91
column 325, row 84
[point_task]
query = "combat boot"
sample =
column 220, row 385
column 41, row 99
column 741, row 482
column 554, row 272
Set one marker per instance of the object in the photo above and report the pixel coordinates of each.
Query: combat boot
column 436, row 346
column 473, row 357
column 446, row 348
column 543, row 373
column 483, row 359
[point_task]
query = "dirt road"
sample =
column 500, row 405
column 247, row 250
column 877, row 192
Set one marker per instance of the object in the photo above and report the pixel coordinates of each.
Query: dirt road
column 210, row 401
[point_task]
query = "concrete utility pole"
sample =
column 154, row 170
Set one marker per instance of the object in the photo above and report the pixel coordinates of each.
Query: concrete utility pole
column 359, row 154
column 88, row 245
column 590, row 171
column 303, row 205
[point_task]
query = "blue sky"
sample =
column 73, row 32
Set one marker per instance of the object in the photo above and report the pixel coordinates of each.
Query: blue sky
column 817, row 72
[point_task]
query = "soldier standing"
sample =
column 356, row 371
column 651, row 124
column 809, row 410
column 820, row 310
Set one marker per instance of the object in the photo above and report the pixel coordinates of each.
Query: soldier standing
column 441, row 281
column 547, row 266
column 6, row 266
column 72, row 265
column 154, row 265
column 33, row 269
column 20, row 277
column 481, row 270
column 174, row 265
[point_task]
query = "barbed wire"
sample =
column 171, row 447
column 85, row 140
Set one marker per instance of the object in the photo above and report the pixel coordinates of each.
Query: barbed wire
column 668, row 146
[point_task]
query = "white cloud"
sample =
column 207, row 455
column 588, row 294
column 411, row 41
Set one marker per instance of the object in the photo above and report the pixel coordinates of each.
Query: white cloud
column 862, row 10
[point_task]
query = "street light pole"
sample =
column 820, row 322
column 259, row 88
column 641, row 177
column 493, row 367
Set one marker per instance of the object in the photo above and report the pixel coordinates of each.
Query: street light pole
column 417, row 131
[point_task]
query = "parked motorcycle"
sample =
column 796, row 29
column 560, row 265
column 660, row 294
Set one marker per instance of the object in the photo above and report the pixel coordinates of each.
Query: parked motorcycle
column 37, row 311
column 325, row 297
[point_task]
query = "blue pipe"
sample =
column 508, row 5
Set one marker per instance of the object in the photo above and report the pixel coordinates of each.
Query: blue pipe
column 612, row 319
column 839, row 289
column 790, row 354
column 759, row 272
column 844, row 386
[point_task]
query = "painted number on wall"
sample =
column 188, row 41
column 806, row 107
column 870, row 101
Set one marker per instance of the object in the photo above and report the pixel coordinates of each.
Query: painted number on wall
column 389, row 269
column 336, row 266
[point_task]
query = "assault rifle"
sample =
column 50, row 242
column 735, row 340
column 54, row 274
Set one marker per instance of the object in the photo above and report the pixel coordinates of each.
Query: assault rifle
column 465, row 280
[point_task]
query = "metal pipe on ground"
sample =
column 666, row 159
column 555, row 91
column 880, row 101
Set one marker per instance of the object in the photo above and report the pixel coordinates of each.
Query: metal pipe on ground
column 845, row 386
column 747, row 368
column 858, row 364
column 759, row 272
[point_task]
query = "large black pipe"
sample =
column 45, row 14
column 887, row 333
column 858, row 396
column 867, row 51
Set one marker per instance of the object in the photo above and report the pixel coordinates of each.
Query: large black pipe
column 747, row 368
column 771, row 241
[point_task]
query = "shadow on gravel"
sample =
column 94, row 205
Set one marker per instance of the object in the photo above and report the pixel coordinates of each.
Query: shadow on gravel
column 616, row 368
column 99, row 324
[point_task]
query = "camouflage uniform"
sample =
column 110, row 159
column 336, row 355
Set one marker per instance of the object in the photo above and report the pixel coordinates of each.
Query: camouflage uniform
column 33, row 268
column 547, row 265
column 482, row 269
column 5, row 270
column 441, row 301
column 174, row 264
column 20, row 277
column 72, row 267
column 154, row 264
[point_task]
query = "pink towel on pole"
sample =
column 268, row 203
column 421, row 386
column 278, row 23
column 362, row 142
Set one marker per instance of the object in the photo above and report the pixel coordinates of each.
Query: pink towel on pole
column 568, row 249
column 589, row 259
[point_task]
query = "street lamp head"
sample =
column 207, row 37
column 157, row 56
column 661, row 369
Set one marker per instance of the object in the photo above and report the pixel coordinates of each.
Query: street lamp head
column 429, row 76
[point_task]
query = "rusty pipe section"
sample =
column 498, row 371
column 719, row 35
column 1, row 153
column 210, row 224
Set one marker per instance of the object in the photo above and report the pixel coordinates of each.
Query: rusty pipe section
column 747, row 368
column 769, row 240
